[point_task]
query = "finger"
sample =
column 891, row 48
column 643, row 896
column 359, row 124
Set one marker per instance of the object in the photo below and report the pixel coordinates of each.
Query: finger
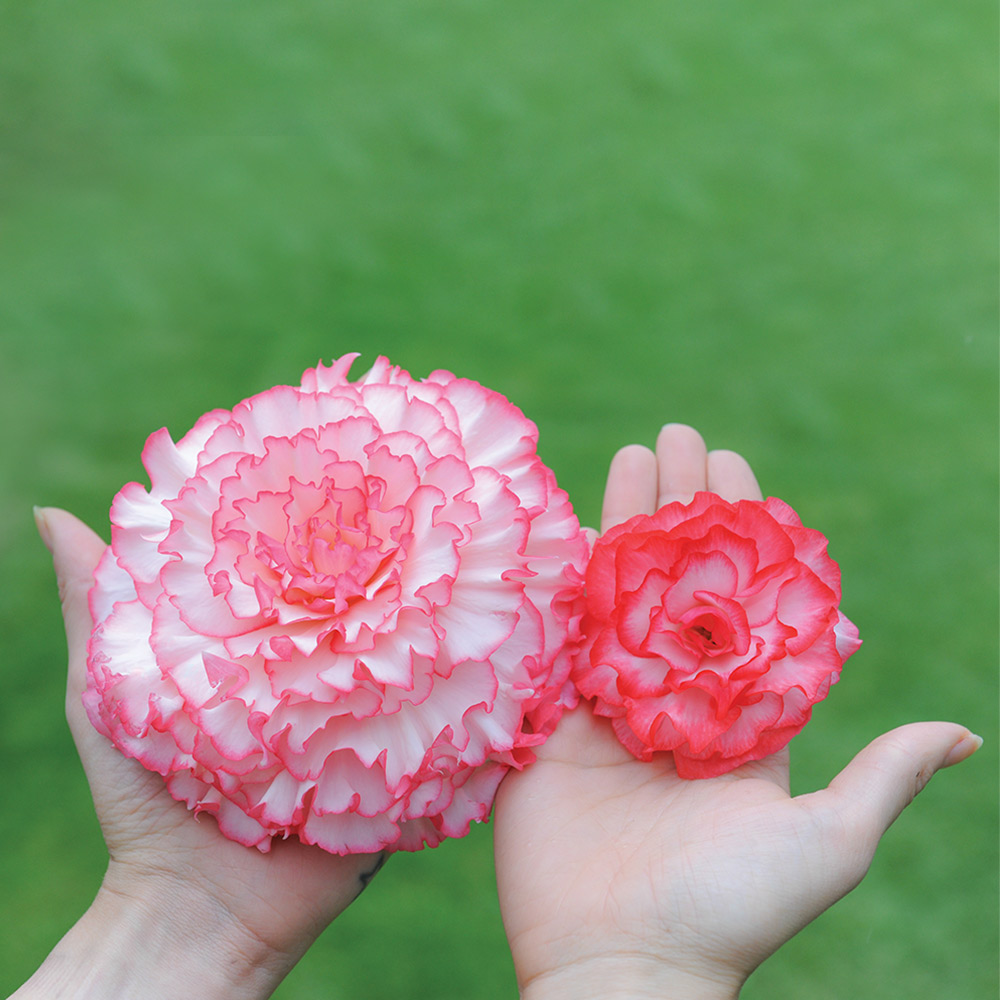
column 882, row 780
column 631, row 487
column 731, row 477
column 76, row 551
column 683, row 463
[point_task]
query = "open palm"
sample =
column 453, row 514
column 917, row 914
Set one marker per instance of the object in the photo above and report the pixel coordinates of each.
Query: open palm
column 616, row 877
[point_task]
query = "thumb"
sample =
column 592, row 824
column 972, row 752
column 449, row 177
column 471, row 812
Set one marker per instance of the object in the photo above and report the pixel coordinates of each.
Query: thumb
column 76, row 551
column 885, row 777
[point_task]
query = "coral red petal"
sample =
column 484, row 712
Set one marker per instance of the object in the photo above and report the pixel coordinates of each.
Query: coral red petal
column 712, row 629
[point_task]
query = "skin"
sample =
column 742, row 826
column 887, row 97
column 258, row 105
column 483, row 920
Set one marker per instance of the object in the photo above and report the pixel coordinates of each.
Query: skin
column 182, row 911
column 619, row 879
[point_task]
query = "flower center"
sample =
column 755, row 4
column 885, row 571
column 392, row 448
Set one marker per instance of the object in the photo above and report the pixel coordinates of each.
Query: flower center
column 707, row 631
column 326, row 565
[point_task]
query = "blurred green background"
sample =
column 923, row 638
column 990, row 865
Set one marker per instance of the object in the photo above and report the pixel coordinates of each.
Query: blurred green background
column 775, row 221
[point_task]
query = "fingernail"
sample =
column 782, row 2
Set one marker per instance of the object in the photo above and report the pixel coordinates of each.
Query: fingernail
column 963, row 749
column 42, row 523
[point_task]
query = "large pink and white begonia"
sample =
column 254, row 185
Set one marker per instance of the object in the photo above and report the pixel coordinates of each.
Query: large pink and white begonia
column 342, row 611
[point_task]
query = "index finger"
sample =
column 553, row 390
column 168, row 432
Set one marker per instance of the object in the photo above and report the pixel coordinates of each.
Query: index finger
column 730, row 476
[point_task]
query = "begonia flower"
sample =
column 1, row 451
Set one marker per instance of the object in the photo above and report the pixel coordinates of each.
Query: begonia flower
column 342, row 611
column 711, row 630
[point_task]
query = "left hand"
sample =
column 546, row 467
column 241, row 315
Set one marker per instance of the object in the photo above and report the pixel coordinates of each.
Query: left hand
column 235, row 911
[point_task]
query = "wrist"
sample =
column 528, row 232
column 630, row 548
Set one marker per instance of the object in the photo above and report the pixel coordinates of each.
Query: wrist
column 631, row 977
column 154, row 940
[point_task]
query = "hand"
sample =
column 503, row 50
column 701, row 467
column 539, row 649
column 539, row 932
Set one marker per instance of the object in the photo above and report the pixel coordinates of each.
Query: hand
column 617, row 878
column 208, row 913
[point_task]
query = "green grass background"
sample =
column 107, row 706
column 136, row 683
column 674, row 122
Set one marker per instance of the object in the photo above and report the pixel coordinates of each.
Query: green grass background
column 776, row 221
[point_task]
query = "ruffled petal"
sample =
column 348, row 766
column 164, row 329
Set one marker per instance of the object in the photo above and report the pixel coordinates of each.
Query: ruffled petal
column 711, row 630
column 342, row 610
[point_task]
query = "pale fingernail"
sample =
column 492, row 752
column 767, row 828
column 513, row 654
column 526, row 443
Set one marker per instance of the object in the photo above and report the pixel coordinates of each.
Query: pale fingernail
column 963, row 749
column 42, row 523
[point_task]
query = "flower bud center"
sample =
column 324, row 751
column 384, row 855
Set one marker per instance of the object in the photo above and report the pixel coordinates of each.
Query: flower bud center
column 707, row 631
column 330, row 560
